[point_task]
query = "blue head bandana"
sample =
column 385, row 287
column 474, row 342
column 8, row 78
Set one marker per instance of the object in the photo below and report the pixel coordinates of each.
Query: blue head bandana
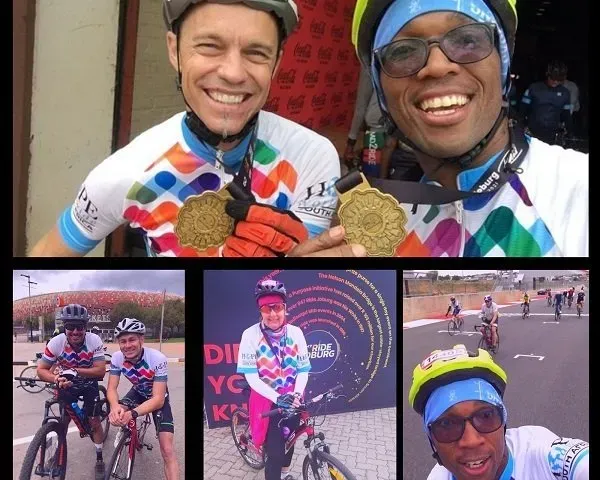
column 449, row 395
column 402, row 12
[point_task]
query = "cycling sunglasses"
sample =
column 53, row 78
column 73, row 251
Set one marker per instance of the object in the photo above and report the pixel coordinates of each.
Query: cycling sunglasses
column 74, row 326
column 465, row 44
column 276, row 307
column 451, row 429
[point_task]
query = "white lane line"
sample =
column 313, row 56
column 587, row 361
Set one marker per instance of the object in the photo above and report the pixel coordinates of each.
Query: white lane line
column 540, row 358
column 21, row 441
column 468, row 334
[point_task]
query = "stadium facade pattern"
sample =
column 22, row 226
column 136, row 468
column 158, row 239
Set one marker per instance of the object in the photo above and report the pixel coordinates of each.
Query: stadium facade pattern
column 96, row 301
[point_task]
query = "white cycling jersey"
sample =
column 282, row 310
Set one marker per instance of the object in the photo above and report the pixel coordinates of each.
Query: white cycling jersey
column 537, row 453
column 59, row 350
column 488, row 312
column 150, row 368
column 538, row 213
column 145, row 183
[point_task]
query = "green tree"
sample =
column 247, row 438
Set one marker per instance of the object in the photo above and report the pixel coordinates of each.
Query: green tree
column 123, row 310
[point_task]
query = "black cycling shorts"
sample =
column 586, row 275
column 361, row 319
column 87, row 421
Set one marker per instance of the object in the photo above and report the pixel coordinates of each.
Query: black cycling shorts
column 163, row 417
column 88, row 389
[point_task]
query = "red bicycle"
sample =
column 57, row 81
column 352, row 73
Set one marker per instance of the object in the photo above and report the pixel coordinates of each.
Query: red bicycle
column 318, row 464
column 129, row 440
column 485, row 342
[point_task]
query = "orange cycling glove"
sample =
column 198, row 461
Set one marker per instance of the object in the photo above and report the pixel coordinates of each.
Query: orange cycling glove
column 262, row 230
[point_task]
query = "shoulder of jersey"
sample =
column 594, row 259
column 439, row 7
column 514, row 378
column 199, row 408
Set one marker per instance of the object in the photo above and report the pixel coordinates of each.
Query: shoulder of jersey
column 275, row 125
column 151, row 141
column 154, row 353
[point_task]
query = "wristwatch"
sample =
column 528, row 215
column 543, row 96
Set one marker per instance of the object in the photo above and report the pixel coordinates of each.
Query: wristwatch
column 134, row 414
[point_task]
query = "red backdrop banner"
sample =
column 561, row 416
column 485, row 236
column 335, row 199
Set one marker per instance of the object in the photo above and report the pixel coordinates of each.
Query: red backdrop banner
column 316, row 82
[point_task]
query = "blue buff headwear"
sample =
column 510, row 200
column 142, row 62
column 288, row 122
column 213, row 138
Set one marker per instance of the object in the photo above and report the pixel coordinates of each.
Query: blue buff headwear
column 402, row 12
column 449, row 395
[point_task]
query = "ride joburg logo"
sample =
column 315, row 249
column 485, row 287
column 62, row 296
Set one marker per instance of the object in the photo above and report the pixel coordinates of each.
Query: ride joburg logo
column 323, row 350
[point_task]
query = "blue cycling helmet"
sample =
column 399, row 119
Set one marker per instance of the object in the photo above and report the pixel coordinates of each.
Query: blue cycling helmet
column 269, row 287
column 74, row 313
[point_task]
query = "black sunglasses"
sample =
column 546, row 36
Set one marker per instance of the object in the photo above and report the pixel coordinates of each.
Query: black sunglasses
column 74, row 326
column 465, row 44
column 451, row 428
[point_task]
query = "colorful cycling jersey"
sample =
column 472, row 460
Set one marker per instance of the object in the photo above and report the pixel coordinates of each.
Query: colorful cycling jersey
column 150, row 368
column 532, row 215
column 145, row 183
column 255, row 356
column 525, row 298
column 59, row 350
column 488, row 312
column 580, row 296
column 455, row 307
column 537, row 453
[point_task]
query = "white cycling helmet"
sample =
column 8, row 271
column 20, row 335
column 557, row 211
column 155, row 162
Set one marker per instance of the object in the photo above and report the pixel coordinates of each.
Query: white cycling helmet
column 129, row 325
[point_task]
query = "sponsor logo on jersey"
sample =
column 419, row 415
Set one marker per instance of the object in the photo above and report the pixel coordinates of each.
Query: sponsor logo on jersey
column 317, row 29
column 324, row 54
column 84, row 210
column 286, row 78
column 337, row 32
column 311, row 78
column 325, row 121
column 302, row 52
column 330, row 7
column 319, row 101
column 331, row 78
column 343, row 56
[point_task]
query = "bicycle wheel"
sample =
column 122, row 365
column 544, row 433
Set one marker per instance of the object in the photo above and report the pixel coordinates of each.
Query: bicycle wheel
column 121, row 463
column 51, row 443
column 452, row 327
column 102, row 409
column 497, row 347
column 240, row 431
column 326, row 467
column 482, row 343
column 33, row 384
column 142, row 432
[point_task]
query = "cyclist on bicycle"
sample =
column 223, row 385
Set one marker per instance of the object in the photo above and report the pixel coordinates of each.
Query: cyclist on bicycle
column 489, row 316
column 146, row 369
column 454, row 306
column 570, row 294
column 80, row 352
column 525, row 303
column 558, row 300
column 273, row 356
column 459, row 395
column 580, row 298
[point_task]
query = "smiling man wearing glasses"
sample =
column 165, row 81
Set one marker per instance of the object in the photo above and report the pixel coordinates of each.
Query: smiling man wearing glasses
column 460, row 394
column 273, row 356
column 441, row 70
column 82, row 354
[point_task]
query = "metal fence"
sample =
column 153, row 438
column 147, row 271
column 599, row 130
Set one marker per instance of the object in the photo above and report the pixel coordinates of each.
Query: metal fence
column 426, row 287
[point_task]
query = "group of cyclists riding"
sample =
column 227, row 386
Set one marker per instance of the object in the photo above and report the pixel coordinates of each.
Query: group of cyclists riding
column 488, row 315
column 566, row 296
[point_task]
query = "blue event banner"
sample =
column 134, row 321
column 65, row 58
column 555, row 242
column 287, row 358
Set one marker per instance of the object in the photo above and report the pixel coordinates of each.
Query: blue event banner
column 348, row 318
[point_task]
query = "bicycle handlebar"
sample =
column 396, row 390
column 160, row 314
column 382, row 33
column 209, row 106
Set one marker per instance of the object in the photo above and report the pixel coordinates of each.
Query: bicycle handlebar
column 316, row 399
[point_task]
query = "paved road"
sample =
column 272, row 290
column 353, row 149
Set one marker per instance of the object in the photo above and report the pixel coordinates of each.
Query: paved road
column 28, row 410
column 363, row 441
column 553, row 392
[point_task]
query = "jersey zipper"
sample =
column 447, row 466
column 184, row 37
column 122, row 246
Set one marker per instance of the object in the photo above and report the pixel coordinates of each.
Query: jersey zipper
column 219, row 164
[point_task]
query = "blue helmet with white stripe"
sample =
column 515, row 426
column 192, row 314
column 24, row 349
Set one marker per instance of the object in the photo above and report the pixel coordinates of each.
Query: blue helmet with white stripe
column 73, row 313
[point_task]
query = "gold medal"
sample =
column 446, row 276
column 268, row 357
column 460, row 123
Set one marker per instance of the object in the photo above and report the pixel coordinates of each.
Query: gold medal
column 202, row 221
column 372, row 219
